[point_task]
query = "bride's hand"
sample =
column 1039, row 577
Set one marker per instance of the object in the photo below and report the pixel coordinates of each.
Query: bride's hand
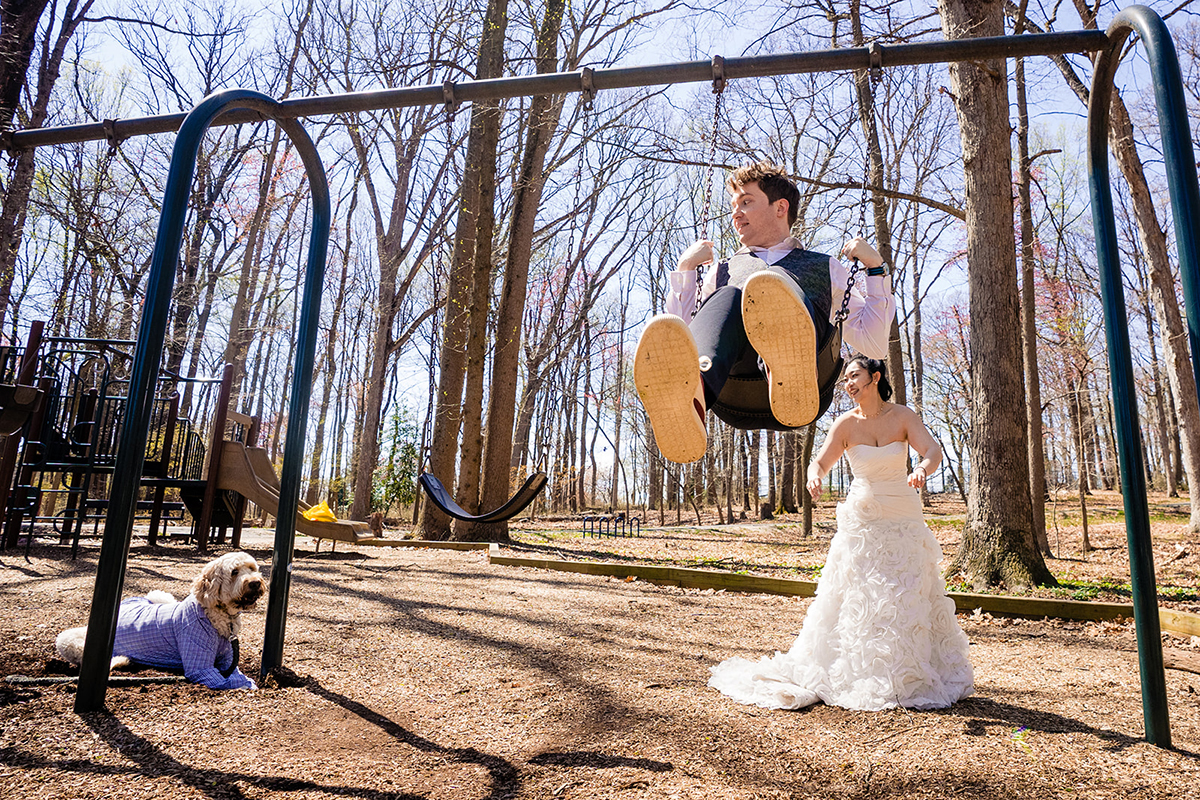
column 917, row 478
column 814, row 487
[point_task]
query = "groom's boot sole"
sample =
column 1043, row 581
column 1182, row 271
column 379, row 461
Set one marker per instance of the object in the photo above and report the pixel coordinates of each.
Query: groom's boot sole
column 781, row 330
column 666, row 373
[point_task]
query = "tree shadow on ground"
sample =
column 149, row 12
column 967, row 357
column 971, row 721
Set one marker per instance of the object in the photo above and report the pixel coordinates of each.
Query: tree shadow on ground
column 593, row 760
column 150, row 761
column 980, row 712
column 506, row 779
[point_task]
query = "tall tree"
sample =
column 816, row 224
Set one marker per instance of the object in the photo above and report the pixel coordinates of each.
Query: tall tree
column 481, row 149
column 1033, row 399
column 1162, row 281
column 998, row 541
column 18, row 35
column 14, row 26
column 864, row 92
column 544, row 113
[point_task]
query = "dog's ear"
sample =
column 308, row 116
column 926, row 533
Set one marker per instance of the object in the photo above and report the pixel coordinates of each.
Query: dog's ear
column 205, row 586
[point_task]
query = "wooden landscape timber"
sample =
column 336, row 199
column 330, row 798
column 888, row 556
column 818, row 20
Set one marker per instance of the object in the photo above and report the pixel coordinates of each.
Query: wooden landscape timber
column 423, row 543
column 1179, row 622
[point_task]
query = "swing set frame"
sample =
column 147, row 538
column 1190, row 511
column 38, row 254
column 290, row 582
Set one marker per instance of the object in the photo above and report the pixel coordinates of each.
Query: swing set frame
column 237, row 106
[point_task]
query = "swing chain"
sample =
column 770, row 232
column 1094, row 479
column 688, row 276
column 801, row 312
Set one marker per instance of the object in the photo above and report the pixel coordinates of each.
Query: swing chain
column 587, row 93
column 844, row 311
column 718, row 87
column 449, row 100
column 718, row 68
column 451, row 104
column 110, row 133
column 874, row 74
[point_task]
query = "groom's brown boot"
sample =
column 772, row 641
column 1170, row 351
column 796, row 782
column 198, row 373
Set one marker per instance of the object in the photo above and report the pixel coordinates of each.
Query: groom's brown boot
column 781, row 330
column 666, row 372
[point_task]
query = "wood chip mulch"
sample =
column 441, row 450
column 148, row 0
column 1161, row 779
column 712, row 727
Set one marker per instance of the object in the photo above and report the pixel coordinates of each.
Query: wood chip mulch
column 433, row 674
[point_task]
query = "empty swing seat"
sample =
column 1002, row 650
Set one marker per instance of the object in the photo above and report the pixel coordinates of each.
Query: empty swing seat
column 515, row 505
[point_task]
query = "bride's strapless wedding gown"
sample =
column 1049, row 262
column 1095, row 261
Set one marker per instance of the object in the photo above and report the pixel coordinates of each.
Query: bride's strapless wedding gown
column 881, row 632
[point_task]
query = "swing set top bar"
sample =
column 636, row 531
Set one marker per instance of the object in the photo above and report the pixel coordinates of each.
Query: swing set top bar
column 1038, row 44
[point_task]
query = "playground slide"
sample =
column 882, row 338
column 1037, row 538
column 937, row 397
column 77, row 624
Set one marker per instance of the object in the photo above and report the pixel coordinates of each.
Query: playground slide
column 249, row 472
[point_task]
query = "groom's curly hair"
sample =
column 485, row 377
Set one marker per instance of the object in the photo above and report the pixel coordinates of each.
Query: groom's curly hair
column 774, row 182
column 872, row 366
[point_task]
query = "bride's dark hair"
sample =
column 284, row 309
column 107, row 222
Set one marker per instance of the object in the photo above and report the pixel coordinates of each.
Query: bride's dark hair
column 873, row 365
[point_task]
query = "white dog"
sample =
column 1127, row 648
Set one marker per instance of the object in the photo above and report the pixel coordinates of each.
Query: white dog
column 193, row 635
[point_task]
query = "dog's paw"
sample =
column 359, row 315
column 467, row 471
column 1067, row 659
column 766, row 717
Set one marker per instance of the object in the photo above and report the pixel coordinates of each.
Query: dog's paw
column 158, row 596
column 119, row 662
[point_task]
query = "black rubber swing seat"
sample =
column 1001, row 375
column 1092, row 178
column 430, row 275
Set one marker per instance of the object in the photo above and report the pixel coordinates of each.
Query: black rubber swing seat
column 515, row 505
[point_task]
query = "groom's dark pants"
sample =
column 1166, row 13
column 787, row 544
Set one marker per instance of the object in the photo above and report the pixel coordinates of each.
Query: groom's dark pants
column 721, row 337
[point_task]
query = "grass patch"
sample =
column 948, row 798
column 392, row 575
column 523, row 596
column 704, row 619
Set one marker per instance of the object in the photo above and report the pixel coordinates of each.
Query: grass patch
column 1071, row 589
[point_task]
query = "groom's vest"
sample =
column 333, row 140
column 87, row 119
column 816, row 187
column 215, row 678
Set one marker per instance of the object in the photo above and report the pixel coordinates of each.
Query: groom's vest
column 745, row 401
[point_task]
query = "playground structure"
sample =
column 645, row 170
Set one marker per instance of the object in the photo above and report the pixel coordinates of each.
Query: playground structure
column 247, row 473
column 57, row 465
column 247, row 105
column 58, row 462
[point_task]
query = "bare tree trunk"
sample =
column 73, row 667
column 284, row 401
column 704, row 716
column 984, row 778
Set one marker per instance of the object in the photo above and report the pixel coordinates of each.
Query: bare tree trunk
column 18, row 35
column 18, row 28
column 1162, row 284
column 1176, row 445
column 619, row 397
column 1033, row 389
column 583, row 420
column 470, row 460
column 543, row 117
column 329, row 369
column 771, row 495
column 755, row 464
column 1164, row 441
column 654, row 468
column 707, row 475
column 238, row 343
column 810, row 435
column 787, row 480
column 594, row 493
column 743, row 447
column 998, row 542
column 865, row 98
column 444, row 441
column 1111, row 471
column 1085, row 544
column 730, row 458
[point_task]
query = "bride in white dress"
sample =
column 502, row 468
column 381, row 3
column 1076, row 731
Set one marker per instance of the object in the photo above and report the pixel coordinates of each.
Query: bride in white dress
column 881, row 632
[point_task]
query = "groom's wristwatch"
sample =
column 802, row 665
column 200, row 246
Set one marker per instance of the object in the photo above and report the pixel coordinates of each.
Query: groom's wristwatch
column 877, row 272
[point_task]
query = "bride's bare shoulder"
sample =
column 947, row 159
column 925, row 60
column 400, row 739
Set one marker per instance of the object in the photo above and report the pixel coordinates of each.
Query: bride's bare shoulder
column 843, row 419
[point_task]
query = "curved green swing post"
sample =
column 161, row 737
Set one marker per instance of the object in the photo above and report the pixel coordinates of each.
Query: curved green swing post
column 1185, row 208
column 118, row 527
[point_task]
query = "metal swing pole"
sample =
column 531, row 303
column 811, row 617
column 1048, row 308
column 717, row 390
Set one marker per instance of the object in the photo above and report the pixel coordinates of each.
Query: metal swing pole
column 1185, row 208
column 118, row 526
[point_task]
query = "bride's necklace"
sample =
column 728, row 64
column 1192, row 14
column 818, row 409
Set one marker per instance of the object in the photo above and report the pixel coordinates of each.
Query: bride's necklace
column 878, row 411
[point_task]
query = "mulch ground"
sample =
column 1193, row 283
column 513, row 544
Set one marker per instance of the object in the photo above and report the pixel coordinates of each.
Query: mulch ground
column 433, row 674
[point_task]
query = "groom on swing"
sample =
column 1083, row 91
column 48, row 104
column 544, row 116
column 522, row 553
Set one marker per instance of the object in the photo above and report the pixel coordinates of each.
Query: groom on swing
column 768, row 316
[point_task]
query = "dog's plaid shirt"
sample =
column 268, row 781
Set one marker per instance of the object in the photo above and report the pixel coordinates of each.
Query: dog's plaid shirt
column 177, row 636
